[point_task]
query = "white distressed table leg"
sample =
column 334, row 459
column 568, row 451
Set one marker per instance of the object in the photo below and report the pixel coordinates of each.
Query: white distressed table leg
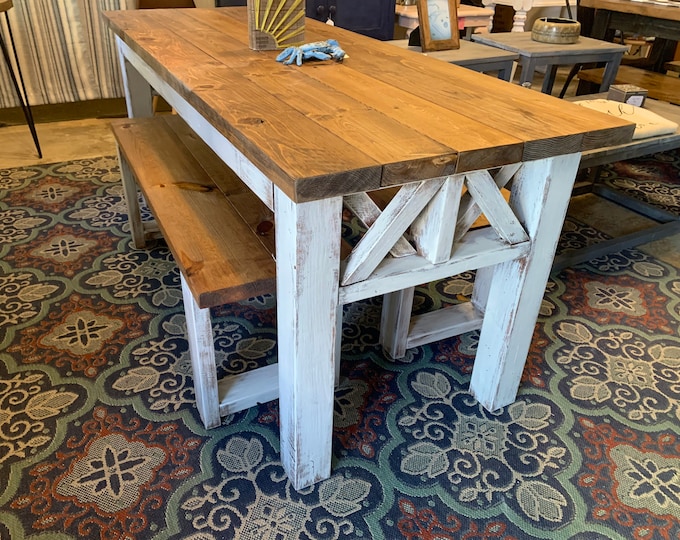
column 307, row 282
column 202, row 353
column 540, row 196
column 138, row 92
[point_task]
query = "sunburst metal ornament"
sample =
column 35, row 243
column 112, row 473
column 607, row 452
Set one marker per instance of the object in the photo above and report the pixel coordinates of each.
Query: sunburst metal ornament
column 276, row 24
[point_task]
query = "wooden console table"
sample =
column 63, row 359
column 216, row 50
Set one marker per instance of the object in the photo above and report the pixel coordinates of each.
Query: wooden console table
column 313, row 139
column 638, row 16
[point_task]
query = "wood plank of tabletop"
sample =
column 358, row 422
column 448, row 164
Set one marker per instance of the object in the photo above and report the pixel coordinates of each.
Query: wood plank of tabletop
column 238, row 109
column 547, row 125
column 670, row 12
column 382, row 137
column 493, row 103
column 356, row 115
column 217, row 89
column 309, row 171
column 480, row 105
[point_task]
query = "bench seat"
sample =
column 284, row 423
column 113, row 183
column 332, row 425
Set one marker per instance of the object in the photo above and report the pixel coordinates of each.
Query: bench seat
column 220, row 235
column 658, row 85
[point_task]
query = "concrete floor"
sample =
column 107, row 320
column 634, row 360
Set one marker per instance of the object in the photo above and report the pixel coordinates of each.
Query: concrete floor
column 91, row 137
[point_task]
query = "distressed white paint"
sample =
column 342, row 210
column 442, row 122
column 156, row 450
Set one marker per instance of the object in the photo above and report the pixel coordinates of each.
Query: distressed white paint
column 132, row 203
column 202, row 353
column 486, row 195
column 470, row 211
column 366, row 211
column 307, row 277
column 390, row 225
column 433, row 230
column 479, row 248
column 443, row 323
column 245, row 390
column 395, row 321
column 540, row 196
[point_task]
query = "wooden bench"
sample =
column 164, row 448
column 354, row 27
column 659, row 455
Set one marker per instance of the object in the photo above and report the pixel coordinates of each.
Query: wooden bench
column 220, row 235
column 667, row 223
column 658, row 85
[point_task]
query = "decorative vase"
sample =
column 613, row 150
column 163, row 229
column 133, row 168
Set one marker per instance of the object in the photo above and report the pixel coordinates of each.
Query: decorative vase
column 556, row 30
column 275, row 24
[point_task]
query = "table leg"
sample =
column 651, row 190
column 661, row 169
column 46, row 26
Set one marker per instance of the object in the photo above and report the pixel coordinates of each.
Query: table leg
column 549, row 79
column 138, row 92
column 307, row 281
column 610, row 70
column 540, row 196
column 528, row 66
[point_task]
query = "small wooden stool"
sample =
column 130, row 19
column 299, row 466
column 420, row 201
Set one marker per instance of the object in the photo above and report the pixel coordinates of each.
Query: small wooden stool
column 6, row 5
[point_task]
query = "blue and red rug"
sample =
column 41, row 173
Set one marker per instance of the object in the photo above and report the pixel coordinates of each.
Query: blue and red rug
column 100, row 438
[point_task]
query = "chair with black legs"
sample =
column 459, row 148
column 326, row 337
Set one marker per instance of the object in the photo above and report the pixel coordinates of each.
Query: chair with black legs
column 5, row 6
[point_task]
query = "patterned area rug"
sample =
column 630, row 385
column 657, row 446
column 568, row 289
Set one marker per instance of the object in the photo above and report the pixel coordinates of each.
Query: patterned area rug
column 100, row 438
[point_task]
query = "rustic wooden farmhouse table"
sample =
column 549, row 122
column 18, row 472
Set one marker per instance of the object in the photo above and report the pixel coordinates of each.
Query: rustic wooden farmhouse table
column 313, row 139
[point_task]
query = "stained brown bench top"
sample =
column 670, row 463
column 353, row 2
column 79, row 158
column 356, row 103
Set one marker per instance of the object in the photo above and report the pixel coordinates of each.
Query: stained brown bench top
column 658, row 85
column 384, row 116
column 207, row 216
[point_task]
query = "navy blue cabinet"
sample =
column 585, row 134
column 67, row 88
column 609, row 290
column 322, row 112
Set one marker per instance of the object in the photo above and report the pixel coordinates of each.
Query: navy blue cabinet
column 374, row 18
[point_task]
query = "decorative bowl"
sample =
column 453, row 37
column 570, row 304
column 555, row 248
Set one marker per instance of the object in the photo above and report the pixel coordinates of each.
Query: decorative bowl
column 555, row 30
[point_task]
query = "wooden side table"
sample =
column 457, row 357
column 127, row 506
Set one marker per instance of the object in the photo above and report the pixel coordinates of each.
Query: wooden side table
column 534, row 53
column 5, row 6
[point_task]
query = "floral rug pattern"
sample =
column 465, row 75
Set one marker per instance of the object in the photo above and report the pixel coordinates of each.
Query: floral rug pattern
column 100, row 438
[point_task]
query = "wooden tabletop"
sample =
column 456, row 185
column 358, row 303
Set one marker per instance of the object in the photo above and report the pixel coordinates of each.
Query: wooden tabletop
column 656, row 9
column 5, row 5
column 521, row 42
column 385, row 116
column 469, row 53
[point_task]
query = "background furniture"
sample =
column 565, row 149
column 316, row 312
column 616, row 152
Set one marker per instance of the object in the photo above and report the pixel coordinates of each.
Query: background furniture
column 522, row 7
column 601, row 18
column 658, row 85
column 472, row 56
column 534, row 53
column 668, row 223
column 373, row 18
column 22, row 95
column 469, row 18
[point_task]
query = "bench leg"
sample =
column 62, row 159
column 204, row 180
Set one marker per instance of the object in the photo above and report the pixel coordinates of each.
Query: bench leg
column 395, row 321
column 132, row 203
column 203, row 364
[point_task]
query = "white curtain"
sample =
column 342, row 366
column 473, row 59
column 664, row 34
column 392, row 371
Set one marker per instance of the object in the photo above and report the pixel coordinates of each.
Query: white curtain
column 65, row 50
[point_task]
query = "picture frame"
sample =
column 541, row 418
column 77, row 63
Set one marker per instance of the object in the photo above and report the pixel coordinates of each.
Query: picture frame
column 438, row 20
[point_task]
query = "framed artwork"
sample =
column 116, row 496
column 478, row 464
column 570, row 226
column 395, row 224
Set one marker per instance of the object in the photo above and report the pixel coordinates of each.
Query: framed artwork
column 438, row 21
